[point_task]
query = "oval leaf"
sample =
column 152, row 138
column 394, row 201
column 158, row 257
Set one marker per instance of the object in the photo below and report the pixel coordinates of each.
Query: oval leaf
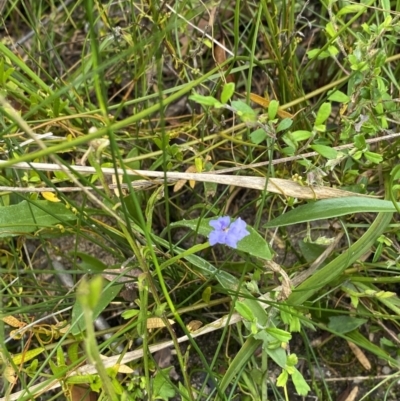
column 323, row 113
column 227, row 92
column 325, row 151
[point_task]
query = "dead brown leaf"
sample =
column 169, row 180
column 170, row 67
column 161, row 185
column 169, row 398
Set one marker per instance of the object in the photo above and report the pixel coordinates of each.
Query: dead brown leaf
column 359, row 354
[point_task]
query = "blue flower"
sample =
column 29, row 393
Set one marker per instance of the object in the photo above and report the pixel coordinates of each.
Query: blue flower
column 226, row 232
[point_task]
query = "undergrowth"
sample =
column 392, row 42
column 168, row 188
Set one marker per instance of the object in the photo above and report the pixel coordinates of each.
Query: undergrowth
column 199, row 200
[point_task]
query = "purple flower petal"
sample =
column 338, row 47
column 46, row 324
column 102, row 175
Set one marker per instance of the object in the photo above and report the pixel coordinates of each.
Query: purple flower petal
column 222, row 223
column 226, row 232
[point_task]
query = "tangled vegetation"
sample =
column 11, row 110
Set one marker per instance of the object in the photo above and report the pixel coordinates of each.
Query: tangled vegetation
column 199, row 200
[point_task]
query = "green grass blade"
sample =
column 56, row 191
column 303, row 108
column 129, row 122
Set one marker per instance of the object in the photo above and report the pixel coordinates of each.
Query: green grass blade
column 329, row 208
column 334, row 269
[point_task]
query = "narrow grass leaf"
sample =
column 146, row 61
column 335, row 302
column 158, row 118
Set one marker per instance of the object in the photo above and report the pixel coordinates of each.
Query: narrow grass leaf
column 335, row 268
column 330, row 208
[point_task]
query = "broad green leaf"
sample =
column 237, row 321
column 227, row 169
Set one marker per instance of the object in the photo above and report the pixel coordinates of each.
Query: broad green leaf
column 227, row 92
column 350, row 9
column 300, row 135
column 244, row 311
column 344, row 324
column 320, row 128
column 302, row 388
column 278, row 355
column 209, row 101
column 162, row 387
column 330, row 29
column 279, row 334
column 27, row 355
column 373, row 157
column 338, row 96
column 27, row 217
column 206, row 294
column 244, row 111
column 333, row 50
column 258, row 136
column 183, row 391
column 318, row 53
column 329, row 208
column 130, row 313
column 89, row 263
column 284, row 124
column 253, row 244
column 323, row 113
column 78, row 320
column 325, row 151
column 282, row 379
column 273, row 109
column 359, row 141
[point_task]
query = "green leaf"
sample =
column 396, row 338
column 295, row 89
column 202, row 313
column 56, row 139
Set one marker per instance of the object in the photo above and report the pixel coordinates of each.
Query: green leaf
column 282, row 379
column 359, row 141
column 300, row 135
column 373, row 157
column 318, row 53
column 330, row 29
column 253, row 244
column 227, row 92
column 325, row 151
column 284, row 124
column 329, row 208
column 162, row 387
column 78, row 320
column 27, row 217
column 244, row 111
column 209, row 101
column 278, row 355
column 320, row 128
column 279, row 334
column 302, row 388
column 333, row 270
column 130, row 313
column 344, row 324
column 258, row 136
column 183, row 391
column 338, row 96
column 323, row 113
column 350, row 9
column 273, row 109
column 244, row 310
column 88, row 263
column 333, row 50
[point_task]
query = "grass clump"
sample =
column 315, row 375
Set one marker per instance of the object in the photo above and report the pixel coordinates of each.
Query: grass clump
column 134, row 136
